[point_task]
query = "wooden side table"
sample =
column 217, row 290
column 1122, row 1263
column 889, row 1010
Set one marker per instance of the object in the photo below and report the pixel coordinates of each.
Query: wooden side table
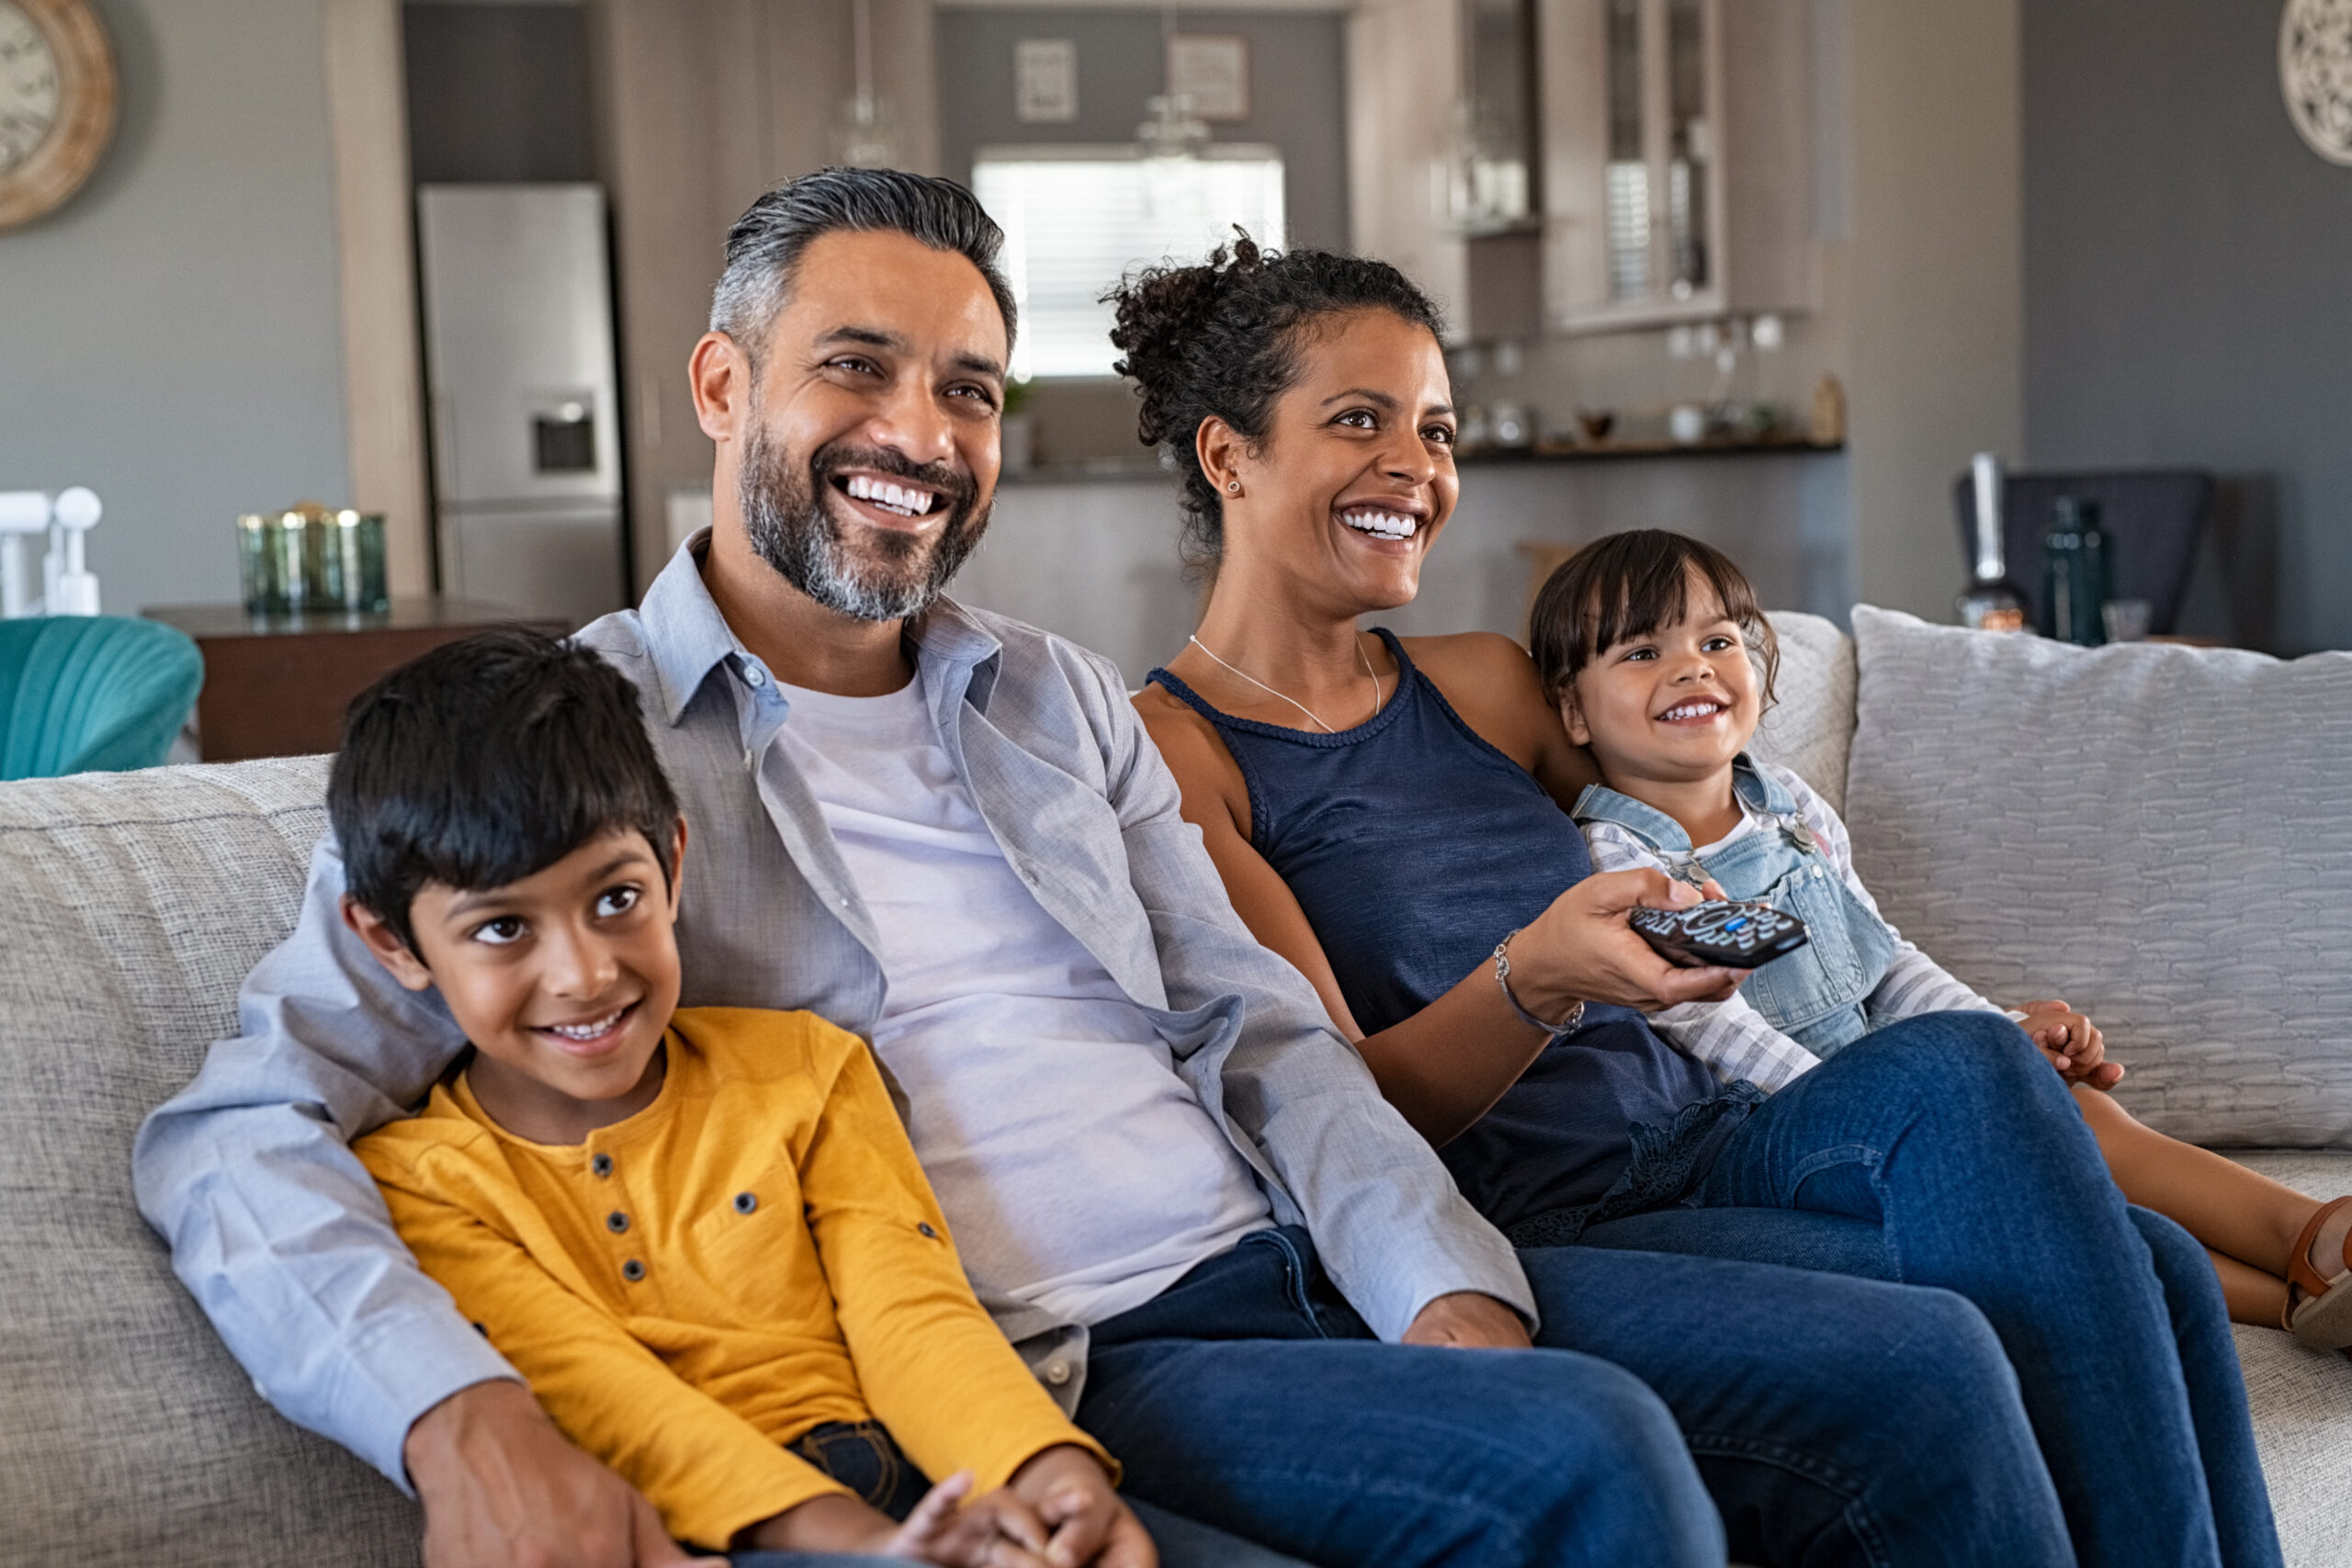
column 276, row 685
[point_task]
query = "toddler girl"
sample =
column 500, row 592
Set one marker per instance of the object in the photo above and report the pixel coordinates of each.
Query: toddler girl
column 1662, row 663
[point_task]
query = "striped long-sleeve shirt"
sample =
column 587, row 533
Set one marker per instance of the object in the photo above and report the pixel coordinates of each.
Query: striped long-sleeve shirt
column 1732, row 1037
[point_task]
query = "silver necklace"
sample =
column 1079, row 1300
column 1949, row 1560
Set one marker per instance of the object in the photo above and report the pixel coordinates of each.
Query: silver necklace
column 1293, row 702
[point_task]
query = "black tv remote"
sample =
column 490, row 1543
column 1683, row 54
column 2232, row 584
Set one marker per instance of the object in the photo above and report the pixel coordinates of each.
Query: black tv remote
column 1737, row 934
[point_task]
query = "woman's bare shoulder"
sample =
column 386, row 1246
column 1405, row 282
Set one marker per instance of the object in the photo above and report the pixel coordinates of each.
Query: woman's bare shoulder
column 1194, row 750
column 1484, row 658
column 1493, row 684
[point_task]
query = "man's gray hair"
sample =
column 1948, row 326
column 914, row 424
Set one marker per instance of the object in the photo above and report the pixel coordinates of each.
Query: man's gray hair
column 764, row 247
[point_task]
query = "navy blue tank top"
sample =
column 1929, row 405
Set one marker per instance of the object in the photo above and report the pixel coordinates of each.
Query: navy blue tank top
column 1414, row 846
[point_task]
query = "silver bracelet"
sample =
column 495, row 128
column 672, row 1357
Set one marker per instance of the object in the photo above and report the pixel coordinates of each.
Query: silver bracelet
column 1503, row 978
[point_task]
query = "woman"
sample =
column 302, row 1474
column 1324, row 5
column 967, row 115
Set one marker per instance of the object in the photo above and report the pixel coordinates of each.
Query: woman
column 1389, row 815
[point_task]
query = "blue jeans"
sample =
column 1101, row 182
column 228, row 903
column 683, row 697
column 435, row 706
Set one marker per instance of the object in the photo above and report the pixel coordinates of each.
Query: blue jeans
column 1833, row 1420
column 1943, row 1151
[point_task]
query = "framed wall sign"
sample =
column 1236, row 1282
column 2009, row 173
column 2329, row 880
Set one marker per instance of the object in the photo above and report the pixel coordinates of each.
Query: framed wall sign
column 1213, row 70
column 57, row 105
column 1044, row 80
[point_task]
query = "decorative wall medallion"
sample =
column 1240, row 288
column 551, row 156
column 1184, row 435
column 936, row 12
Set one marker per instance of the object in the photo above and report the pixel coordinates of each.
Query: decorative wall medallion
column 2315, row 74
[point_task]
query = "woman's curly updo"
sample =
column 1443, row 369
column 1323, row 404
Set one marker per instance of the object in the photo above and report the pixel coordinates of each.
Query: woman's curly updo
column 1223, row 338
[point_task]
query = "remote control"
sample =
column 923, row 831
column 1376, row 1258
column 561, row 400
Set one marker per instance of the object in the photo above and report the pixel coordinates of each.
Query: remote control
column 1735, row 935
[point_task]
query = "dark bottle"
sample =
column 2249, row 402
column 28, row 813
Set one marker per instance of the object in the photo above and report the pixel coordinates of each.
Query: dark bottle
column 2077, row 574
column 1991, row 603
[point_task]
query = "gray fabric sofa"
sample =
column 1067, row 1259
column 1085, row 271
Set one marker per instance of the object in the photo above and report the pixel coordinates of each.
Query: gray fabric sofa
column 137, row 902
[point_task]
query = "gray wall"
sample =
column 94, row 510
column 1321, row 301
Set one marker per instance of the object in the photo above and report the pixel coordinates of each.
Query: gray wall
column 2187, row 257
column 171, row 338
column 1296, row 93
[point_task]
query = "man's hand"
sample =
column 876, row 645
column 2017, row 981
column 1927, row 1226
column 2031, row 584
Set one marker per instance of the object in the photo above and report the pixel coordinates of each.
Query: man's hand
column 1467, row 1320
column 1070, row 1493
column 502, row 1489
column 2073, row 1043
column 1581, row 949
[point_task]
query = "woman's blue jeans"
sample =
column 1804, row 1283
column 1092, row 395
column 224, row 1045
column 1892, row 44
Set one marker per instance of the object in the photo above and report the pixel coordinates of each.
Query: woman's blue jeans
column 1814, row 1418
column 1944, row 1151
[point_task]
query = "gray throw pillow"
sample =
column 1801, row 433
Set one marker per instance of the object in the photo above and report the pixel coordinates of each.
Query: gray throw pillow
column 1810, row 726
column 2157, row 834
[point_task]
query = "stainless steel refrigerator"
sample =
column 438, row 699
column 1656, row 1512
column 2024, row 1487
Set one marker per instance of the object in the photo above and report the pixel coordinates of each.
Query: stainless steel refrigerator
column 518, row 341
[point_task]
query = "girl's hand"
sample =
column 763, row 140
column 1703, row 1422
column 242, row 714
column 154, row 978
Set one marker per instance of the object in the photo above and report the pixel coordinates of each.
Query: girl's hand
column 1581, row 949
column 2073, row 1043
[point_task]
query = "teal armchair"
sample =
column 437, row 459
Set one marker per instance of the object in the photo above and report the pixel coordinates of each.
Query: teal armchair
column 89, row 694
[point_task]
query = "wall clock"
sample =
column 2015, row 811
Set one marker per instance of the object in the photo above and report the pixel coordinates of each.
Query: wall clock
column 2315, row 73
column 57, row 104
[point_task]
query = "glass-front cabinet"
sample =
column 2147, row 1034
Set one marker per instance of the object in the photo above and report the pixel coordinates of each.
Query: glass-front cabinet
column 1675, row 188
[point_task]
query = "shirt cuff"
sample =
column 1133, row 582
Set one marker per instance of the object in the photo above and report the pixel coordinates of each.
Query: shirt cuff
column 390, row 1378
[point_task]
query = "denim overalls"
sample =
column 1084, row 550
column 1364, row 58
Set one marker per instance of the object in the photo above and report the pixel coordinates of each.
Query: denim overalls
column 1817, row 996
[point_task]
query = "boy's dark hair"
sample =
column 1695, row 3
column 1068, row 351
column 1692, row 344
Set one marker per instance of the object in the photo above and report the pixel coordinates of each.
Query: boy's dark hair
column 1222, row 338
column 485, row 760
column 764, row 247
column 1629, row 585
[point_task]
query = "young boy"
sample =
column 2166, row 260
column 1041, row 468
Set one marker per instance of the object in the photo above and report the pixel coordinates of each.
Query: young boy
column 701, row 1235
column 1661, row 662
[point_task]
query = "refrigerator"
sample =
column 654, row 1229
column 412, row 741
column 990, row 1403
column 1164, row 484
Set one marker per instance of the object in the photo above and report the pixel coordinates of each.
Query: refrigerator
column 520, row 372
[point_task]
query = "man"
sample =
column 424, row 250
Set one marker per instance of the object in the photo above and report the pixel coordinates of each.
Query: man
column 1176, row 1189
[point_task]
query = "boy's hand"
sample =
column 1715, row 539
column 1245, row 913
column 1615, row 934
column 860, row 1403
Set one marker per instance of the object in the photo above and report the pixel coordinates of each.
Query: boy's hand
column 2073, row 1043
column 995, row 1531
column 1071, row 1494
column 502, row 1489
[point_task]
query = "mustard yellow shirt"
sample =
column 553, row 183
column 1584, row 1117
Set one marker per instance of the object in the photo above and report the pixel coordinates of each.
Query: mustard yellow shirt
column 752, row 1254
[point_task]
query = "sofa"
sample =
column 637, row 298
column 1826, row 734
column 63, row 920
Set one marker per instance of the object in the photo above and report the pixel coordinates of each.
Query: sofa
column 2155, row 833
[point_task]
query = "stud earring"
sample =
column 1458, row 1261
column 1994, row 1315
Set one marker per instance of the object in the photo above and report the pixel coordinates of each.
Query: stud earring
column 1233, row 485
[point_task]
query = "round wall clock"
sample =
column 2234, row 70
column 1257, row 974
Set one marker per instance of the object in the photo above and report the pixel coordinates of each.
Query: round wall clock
column 57, row 104
column 2315, row 73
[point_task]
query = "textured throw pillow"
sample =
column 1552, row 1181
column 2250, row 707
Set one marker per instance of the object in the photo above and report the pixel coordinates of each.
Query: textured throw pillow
column 136, row 903
column 1811, row 724
column 2161, row 835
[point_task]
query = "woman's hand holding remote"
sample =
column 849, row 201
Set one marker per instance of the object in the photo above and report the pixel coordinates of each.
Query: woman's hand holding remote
column 1580, row 949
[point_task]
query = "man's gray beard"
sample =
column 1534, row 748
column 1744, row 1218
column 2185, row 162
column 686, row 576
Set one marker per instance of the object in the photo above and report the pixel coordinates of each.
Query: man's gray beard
column 796, row 533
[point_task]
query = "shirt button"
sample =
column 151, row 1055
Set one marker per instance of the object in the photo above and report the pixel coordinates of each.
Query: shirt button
column 746, row 1202
column 754, row 677
column 602, row 1165
column 616, row 1222
column 1058, row 1372
column 632, row 1270
column 1817, row 871
column 926, row 1230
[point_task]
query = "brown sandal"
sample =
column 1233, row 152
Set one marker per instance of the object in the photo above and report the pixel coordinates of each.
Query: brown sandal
column 2319, row 1309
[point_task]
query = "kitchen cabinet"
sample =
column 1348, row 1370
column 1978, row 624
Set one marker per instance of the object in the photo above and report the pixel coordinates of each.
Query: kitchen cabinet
column 1677, row 155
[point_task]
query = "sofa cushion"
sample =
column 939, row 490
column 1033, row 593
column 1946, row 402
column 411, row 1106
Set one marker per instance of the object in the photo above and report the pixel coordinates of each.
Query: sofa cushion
column 137, row 902
column 2302, row 1398
column 1810, row 727
column 2158, row 834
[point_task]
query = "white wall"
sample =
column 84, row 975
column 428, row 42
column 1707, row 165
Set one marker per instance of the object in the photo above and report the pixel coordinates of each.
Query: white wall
column 1934, row 279
column 170, row 338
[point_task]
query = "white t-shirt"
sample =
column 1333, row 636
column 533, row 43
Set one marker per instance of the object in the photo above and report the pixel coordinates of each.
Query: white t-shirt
column 1077, row 1171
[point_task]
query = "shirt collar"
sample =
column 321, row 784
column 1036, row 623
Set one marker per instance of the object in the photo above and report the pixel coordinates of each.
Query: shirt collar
column 686, row 637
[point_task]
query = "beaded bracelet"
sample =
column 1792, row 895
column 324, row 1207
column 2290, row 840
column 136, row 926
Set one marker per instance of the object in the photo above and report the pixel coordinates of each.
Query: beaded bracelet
column 1503, row 978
